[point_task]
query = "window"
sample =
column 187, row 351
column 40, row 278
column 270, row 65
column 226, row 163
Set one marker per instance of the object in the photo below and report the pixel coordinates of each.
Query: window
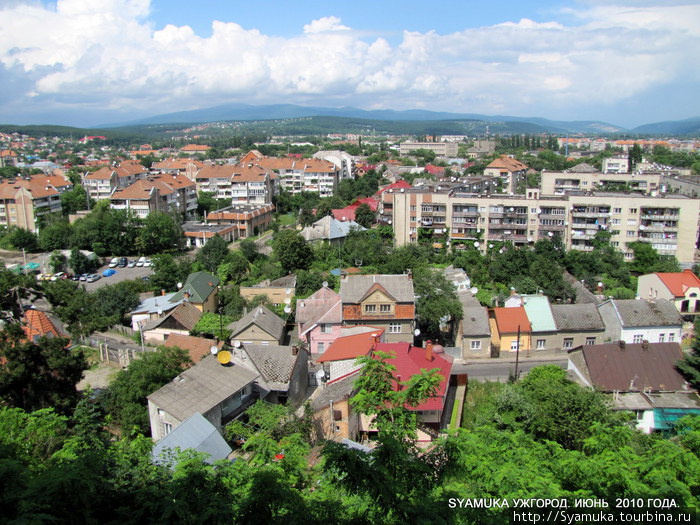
column 590, row 340
column 662, row 338
column 514, row 344
column 475, row 345
column 617, row 210
column 671, row 337
column 631, row 233
column 326, row 328
column 633, row 210
column 385, row 308
column 394, row 328
column 370, row 308
column 541, row 344
column 631, row 222
column 568, row 342
column 321, row 347
column 167, row 428
column 616, row 222
column 638, row 338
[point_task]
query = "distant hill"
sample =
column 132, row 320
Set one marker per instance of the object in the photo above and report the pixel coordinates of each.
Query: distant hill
column 244, row 112
column 689, row 127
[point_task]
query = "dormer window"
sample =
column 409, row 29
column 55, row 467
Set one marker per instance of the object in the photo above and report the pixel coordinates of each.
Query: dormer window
column 385, row 308
column 370, row 308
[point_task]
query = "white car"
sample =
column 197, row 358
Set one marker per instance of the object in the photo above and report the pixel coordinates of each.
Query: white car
column 114, row 262
column 147, row 263
column 141, row 261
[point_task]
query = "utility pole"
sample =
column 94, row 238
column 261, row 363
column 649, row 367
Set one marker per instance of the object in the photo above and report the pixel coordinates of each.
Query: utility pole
column 517, row 353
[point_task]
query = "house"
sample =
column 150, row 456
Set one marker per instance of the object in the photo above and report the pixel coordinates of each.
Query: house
column 339, row 360
column 194, row 149
column 201, row 289
column 384, row 301
column 102, row 183
column 544, row 329
column 236, row 183
column 197, row 233
column 297, row 175
column 260, row 325
column 319, row 319
column 641, row 377
column 197, row 347
column 187, row 167
column 180, row 320
column 195, row 433
column 284, row 371
column 330, row 229
column 24, row 200
column 152, row 308
column 334, row 419
column 639, row 320
column 577, row 325
column 278, row 291
column 458, row 277
column 473, row 330
column 510, row 330
column 681, row 288
column 219, row 392
column 38, row 324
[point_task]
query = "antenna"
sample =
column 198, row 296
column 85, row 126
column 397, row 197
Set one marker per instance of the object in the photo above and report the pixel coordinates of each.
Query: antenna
column 474, row 290
column 237, row 343
column 287, row 309
column 214, row 349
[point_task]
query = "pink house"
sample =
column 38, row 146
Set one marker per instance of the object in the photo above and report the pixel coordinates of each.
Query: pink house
column 319, row 318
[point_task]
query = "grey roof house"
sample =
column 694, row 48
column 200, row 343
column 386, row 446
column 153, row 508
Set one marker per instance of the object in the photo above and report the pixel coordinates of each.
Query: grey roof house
column 473, row 330
column 638, row 320
column 329, row 229
column 284, row 370
column 577, row 324
column 260, row 325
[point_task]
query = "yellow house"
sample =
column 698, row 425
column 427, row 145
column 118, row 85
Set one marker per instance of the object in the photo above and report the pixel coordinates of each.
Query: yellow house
column 506, row 324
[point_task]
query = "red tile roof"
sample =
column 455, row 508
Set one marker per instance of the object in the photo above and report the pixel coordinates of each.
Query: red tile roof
column 194, row 147
column 509, row 319
column 37, row 324
column 409, row 360
column 197, row 347
column 507, row 163
column 678, row 282
column 351, row 346
column 395, row 186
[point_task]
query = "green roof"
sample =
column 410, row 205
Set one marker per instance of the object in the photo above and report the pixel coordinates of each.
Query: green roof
column 539, row 313
column 199, row 286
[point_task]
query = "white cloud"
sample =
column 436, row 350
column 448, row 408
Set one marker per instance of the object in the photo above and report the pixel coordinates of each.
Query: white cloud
column 109, row 55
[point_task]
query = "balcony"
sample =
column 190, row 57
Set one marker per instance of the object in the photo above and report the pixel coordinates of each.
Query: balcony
column 590, row 215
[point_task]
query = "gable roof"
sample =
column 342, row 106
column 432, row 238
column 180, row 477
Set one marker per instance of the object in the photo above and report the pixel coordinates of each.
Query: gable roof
column 38, row 324
column 577, row 317
column 184, row 313
column 275, row 363
column 678, row 282
column 197, row 433
column 202, row 387
column 634, row 367
column 323, row 306
column 508, row 320
column 234, row 173
column 157, row 304
column 409, row 360
column 329, row 228
column 351, row 346
column 262, row 317
column 508, row 163
column 353, row 288
column 539, row 313
column 199, row 286
column 641, row 313
column 197, row 347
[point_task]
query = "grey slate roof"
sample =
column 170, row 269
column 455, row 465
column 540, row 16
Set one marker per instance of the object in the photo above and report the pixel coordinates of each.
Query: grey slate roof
column 329, row 228
column 275, row 363
column 262, row 317
column 336, row 391
column 640, row 312
column 185, row 314
column 196, row 432
column 582, row 168
column 475, row 321
column 354, row 287
column 199, row 286
column 577, row 317
column 202, row 387
column 152, row 305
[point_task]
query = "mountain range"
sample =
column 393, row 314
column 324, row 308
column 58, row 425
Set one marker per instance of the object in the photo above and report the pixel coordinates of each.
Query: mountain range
column 469, row 122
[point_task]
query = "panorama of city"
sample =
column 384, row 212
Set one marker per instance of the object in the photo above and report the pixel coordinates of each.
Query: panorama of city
column 280, row 312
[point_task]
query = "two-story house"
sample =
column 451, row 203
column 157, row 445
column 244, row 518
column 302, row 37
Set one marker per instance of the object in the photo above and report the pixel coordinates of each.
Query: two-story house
column 319, row 319
column 510, row 330
column 384, row 301
column 681, row 288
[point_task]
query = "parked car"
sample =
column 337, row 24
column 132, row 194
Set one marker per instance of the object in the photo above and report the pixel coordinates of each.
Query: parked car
column 141, row 261
column 94, row 277
column 132, row 263
column 84, row 276
column 59, row 275
column 123, row 262
column 44, row 277
column 114, row 262
column 147, row 263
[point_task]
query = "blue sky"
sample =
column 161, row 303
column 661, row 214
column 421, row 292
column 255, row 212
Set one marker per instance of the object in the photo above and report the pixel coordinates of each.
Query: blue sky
column 86, row 62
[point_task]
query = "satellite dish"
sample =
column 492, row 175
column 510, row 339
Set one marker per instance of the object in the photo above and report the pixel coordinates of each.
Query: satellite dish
column 237, row 343
column 416, row 332
column 320, row 375
column 476, row 244
column 179, row 285
column 288, row 291
column 224, row 357
column 474, row 290
column 490, row 245
column 287, row 300
column 600, row 285
column 287, row 309
column 325, row 284
column 160, row 311
column 214, row 350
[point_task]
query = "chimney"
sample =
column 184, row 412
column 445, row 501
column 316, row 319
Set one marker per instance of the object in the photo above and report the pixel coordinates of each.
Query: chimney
column 162, row 292
column 409, row 274
column 186, row 295
column 429, row 350
column 622, row 344
column 295, row 350
column 645, row 345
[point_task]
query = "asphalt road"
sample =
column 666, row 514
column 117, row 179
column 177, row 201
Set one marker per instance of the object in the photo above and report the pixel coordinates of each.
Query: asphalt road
column 500, row 370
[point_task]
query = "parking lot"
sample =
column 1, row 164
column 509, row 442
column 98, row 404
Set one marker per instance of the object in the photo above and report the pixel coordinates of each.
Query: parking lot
column 123, row 274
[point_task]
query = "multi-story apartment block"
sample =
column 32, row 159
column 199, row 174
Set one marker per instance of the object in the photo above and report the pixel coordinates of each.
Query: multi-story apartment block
column 297, row 175
column 579, row 179
column 668, row 222
column 250, row 183
column 248, row 219
column 441, row 149
column 617, row 164
column 102, row 183
column 341, row 159
column 23, row 200
column 187, row 167
column 510, row 169
column 163, row 193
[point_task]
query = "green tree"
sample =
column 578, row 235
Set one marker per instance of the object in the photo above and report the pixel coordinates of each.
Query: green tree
column 23, row 239
column 125, row 398
column 292, row 251
column 167, row 272
column 213, row 253
column 57, row 261
column 75, row 200
column 364, row 216
column 249, row 249
column 55, row 235
column 39, row 374
column 160, row 233
column 689, row 366
column 79, row 262
column 436, row 300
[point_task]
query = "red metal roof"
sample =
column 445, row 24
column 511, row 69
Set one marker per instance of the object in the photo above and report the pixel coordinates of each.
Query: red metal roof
column 678, row 282
column 351, row 346
column 509, row 319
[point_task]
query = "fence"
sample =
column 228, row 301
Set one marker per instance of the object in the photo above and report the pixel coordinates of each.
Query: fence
column 115, row 352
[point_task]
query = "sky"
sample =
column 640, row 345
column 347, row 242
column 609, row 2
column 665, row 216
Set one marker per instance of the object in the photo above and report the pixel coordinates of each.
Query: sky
column 90, row 62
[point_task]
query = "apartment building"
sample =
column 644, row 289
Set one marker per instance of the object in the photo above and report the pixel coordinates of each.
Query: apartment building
column 188, row 167
column 668, row 222
column 584, row 180
column 341, row 159
column 297, row 175
column 510, row 169
column 240, row 184
column 24, row 200
column 157, row 193
column 102, row 183
column 248, row 219
column 441, row 149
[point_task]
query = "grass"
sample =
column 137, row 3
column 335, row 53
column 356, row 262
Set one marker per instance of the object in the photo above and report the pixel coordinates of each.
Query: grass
column 479, row 402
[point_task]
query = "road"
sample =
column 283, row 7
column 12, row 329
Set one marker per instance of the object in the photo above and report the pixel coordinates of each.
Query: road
column 501, row 370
